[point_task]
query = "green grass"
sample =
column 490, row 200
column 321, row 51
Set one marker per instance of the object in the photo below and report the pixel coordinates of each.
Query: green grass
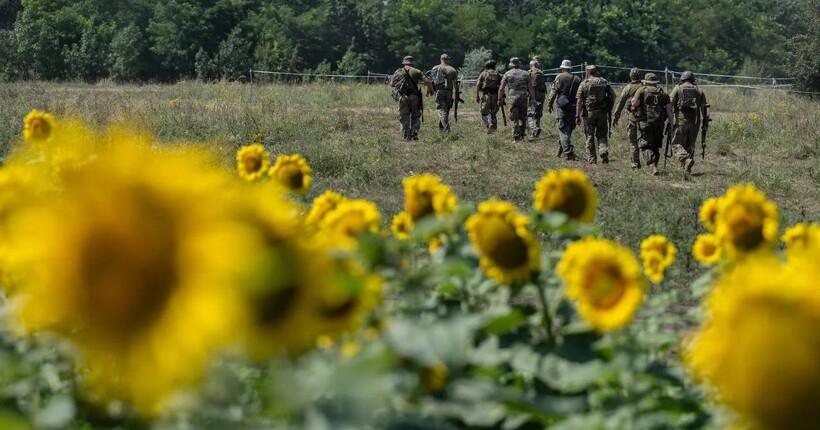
column 350, row 135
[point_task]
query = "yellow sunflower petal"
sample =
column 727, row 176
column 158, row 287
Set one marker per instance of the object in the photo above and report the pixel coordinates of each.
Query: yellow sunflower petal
column 293, row 173
column 566, row 191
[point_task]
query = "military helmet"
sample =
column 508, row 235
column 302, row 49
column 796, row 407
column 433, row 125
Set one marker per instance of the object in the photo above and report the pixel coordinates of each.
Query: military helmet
column 635, row 74
column 650, row 79
column 490, row 64
column 515, row 62
column 687, row 76
column 407, row 60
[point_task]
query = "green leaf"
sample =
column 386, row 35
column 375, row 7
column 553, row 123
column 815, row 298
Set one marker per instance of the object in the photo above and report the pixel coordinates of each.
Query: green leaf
column 702, row 285
column 569, row 377
column 506, row 323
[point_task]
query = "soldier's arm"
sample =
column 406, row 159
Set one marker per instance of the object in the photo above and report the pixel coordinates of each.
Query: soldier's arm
column 612, row 96
column 553, row 94
column 501, row 90
column 621, row 103
column 478, row 86
column 636, row 99
column 579, row 106
column 673, row 96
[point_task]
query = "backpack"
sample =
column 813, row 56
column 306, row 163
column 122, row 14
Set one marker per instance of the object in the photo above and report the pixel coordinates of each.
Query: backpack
column 653, row 105
column 688, row 99
column 598, row 96
column 539, row 81
column 492, row 82
column 403, row 83
column 438, row 78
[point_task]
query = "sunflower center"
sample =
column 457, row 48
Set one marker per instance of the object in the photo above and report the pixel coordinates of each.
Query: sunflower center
column 575, row 202
column 498, row 241
column 292, row 177
column 271, row 308
column 746, row 230
column 423, row 206
column 253, row 163
column 606, row 287
column 40, row 129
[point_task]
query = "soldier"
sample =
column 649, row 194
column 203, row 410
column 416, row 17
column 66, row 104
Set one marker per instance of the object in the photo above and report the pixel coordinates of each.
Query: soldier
column 405, row 83
column 691, row 112
column 445, row 81
column 486, row 93
column 564, row 90
column 652, row 108
column 595, row 101
column 632, row 128
column 521, row 90
column 536, row 111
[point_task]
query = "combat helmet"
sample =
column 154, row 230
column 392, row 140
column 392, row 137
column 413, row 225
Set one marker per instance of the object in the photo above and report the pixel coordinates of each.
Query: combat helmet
column 635, row 74
column 490, row 64
column 687, row 76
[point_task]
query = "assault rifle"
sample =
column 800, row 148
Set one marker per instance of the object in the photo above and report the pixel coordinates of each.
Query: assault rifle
column 503, row 109
column 457, row 100
column 666, row 153
column 704, row 128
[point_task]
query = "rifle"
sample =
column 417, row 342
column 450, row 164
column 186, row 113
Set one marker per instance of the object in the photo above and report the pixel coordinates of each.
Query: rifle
column 703, row 131
column 503, row 110
column 666, row 153
column 457, row 100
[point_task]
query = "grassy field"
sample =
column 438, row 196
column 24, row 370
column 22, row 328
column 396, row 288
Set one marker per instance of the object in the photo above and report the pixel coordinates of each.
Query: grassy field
column 350, row 135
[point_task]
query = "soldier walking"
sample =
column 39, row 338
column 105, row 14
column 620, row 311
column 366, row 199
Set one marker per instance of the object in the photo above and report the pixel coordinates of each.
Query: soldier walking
column 652, row 107
column 595, row 101
column 486, row 94
column 445, row 81
column 691, row 114
column 632, row 127
column 564, row 90
column 536, row 110
column 405, row 83
column 521, row 91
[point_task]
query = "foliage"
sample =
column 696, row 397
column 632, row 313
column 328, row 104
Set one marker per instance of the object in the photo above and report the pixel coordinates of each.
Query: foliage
column 127, row 53
column 804, row 63
column 474, row 61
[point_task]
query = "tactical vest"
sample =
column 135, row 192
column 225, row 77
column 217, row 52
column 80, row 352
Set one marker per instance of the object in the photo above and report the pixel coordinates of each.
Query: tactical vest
column 688, row 98
column 598, row 95
column 539, row 81
column 653, row 105
column 491, row 82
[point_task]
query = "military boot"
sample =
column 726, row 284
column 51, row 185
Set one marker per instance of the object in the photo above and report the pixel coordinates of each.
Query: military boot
column 687, row 169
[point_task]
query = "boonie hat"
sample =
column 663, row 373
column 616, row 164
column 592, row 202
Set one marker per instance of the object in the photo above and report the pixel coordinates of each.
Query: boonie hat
column 566, row 64
column 515, row 62
column 407, row 60
column 650, row 78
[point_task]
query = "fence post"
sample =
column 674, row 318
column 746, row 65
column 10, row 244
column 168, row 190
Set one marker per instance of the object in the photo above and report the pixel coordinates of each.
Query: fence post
column 250, row 73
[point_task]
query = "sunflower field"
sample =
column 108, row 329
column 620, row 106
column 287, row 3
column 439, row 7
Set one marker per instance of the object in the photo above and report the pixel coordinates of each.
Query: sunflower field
column 145, row 286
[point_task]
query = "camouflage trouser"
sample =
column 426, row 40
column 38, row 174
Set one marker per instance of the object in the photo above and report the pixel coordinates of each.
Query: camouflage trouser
column 651, row 141
column 518, row 114
column 489, row 110
column 444, row 102
column 684, row 139
column 535, row 113
column 410, row 116
column 596, row 128
column 566, row 125
column 634, row 146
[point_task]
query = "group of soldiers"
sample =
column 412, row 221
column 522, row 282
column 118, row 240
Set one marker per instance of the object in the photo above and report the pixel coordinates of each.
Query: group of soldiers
column 652, row 114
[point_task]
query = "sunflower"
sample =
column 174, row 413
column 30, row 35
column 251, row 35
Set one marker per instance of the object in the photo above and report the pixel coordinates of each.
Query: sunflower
column 653, row 266
column 509, row 251
column 746, row 220
column 402, row 225
column 252, row 162
column 426, row 195
column 657, row 253
column 801, row 237
column 350, row 219
column 708, row 213
column 38, row 126
column 566, row 191
column 293, row 172
column 707, row 249
column 129, row 261
column 760, row 347
column 605, row 281
column 323, row 205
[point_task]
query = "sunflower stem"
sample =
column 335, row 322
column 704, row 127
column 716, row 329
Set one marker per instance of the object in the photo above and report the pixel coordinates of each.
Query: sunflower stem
column 546, row 317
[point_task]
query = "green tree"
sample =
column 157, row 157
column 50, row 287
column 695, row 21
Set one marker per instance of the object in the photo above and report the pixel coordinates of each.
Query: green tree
column 127, row 54
column 176, row 32
column 234, row 58
column 352, row 63
column 88, row 60
column 803, row 49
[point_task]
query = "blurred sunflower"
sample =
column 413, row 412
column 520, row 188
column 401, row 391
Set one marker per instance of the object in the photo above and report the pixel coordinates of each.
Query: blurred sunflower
column 38, row 126
column 653, row 266
column 252, row 162
column 323, row 205
column 426, row 195
column 605, row 281
column 402, row 225
column 566, row 191
column 760, row 347
column 708, row 213
column 657, row 253
column 801, row 237
column 350, row 219
column 129, row 261
column 746, row 220
column 509, row 251
column 293, row 172
column 707, row 249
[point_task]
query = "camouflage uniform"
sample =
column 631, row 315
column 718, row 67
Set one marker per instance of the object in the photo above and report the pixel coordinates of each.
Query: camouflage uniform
column 688, row 121
column 489, row 98
column 651, row 126
column 444, row 93
column 409, row 104
column 518, row 82
column 536, row 111
column 632, row 128
column 595, row 100
column 565, row 84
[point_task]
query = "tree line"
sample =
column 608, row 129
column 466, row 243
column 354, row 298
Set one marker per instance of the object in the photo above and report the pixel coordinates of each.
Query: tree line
column 167, row 40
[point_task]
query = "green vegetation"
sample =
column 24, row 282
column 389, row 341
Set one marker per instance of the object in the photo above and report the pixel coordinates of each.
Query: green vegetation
column 210, row 39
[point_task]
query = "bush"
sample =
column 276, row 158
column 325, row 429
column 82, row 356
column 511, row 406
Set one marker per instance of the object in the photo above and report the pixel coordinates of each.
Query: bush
column 126, row 51
column 474, row 61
